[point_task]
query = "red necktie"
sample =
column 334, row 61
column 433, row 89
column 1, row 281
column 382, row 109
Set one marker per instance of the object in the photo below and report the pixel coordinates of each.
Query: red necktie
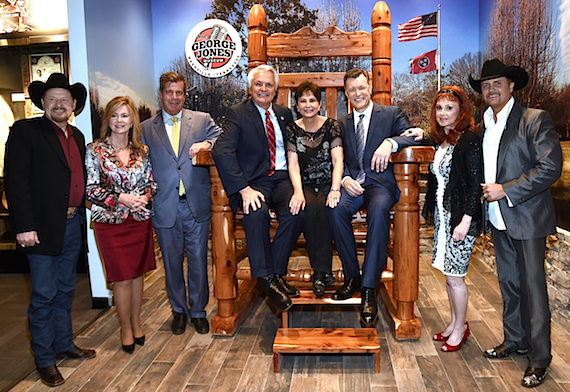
column 270, row 141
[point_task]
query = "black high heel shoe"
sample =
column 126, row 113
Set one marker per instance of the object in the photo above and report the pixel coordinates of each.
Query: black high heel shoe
column 129, row 349
column 140, row 341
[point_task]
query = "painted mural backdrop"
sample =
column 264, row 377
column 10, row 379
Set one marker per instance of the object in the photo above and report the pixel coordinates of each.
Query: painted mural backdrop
column 471, row 32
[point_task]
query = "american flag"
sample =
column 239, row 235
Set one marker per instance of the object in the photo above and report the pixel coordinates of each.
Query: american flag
column 418, row 27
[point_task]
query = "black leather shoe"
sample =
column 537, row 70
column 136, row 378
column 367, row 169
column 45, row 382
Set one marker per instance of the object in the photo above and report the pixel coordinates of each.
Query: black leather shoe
column 368, row 307
column 503, row 351
column 201, row 324
column 51, row 376
column 291, row 291
column 329, row 279
column 179, row 323
column 140, row 341
column 77, row 353
column 129, row 349
column 318, row 279
column 348, row 289
column 533, row 377
column 277, row 296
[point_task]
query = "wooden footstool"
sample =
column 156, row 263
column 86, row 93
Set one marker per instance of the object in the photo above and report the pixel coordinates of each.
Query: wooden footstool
column 326, row 340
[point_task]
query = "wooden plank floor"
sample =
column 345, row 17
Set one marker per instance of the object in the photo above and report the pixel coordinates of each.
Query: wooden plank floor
column 16, row 359
column 198, row 363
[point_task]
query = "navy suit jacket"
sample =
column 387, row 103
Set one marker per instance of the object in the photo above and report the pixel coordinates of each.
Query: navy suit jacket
column 242, row 153
column 386, row 121
column 528, row 163
column 168, row 168
column 37, row 181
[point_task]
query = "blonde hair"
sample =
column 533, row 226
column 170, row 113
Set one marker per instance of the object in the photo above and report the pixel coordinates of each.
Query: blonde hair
column 135, row 133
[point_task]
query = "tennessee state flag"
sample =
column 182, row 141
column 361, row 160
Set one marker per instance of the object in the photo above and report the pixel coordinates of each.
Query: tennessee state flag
column 423, row 63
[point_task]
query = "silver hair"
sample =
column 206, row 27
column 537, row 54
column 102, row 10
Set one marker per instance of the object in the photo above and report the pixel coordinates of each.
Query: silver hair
column 263, row 67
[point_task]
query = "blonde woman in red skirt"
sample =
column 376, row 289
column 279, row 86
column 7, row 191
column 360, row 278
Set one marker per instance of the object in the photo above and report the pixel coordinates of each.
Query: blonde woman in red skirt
column 120, row 186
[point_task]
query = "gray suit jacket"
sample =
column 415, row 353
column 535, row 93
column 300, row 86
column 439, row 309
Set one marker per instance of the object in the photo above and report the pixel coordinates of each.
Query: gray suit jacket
column 529, row 162
column 168, row 168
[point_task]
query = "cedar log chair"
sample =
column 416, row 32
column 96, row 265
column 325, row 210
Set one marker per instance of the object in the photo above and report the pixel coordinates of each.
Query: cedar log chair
column 398, row 288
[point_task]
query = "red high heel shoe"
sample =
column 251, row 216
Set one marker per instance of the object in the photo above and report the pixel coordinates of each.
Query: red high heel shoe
column 438, row 337
column 449, row 348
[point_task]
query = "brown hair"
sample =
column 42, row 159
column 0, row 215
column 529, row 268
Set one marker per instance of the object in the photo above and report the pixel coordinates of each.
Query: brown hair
column 307, row 85
column 354, row 73
column 171, row 77
column 135, row 132
column 465, row 119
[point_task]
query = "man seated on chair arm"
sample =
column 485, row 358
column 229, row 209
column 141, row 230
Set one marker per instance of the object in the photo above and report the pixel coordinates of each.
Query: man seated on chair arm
column 370, row 134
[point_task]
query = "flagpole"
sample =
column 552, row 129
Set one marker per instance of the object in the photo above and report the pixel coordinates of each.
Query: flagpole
column 438, row 47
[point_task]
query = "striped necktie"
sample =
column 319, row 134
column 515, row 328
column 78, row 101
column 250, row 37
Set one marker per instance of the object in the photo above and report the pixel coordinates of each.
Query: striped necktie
column 175, row 144
column 360, row 145
column 270, row 141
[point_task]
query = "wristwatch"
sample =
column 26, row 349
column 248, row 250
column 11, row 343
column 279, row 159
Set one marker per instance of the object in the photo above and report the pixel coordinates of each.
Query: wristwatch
column 335, row 189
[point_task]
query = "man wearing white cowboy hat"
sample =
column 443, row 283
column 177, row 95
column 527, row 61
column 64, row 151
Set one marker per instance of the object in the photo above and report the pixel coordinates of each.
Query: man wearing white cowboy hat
column 522, row 158
column 45, row 184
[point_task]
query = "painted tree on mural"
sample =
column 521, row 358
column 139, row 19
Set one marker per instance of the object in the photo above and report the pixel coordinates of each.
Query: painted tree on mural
column 523, row 33
column 282, row 17
column 206, row 94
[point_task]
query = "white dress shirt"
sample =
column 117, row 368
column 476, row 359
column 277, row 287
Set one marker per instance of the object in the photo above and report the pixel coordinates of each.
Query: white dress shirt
column 491, row 140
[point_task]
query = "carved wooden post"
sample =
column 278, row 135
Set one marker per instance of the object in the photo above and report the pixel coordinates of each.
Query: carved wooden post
column 257, row 38
column 381, row 54
column 400, row 295
column 234, row 303
column 224, row 251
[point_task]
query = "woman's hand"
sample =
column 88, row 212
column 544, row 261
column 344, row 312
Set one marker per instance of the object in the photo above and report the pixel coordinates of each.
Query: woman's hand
column 461, row 230
column 297, row 203
column 134, row 202
column 333, row 199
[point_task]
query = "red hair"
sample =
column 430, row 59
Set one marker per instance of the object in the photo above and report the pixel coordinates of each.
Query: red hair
column 465, row 119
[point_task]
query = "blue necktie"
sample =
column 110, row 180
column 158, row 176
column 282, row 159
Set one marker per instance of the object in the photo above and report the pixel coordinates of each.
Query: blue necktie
column 360, row 145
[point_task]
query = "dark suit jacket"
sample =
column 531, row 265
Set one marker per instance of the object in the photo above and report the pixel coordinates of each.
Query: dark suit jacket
column 168, row 168
column 242, row 153
column 529, row 162
column 386, row 121
column 37, row 180
column 463, row 191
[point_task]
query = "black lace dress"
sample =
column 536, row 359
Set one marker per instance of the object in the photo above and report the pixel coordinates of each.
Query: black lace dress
column 315, row 162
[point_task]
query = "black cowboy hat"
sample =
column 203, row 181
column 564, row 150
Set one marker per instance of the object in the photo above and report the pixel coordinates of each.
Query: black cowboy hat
column 37, row 90
column 493, row 69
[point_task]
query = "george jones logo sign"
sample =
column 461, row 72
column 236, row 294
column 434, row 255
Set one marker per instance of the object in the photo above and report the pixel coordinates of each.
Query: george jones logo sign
column 213, row 48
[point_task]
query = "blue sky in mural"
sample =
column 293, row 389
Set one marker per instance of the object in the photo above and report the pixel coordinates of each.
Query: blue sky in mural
column 463, row 28
column 460, row 26
column 117, row 68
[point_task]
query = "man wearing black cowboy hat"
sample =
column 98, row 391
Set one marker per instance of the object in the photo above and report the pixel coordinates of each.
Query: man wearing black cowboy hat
column 522, row 158
column 45, row 184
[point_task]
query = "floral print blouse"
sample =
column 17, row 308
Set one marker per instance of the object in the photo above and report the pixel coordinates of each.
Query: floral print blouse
column 107, row 177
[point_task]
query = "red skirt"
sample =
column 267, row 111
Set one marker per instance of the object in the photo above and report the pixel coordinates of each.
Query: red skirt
column 127, row 248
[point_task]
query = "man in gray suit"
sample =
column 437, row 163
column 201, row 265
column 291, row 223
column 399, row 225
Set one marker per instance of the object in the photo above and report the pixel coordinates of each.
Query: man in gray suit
column 182, row 202
column 522, row 158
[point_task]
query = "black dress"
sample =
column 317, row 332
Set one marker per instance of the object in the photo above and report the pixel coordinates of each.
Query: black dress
column 315, row 161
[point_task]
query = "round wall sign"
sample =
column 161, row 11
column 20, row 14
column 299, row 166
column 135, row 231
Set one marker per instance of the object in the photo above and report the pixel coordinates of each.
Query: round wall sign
column 213, row 48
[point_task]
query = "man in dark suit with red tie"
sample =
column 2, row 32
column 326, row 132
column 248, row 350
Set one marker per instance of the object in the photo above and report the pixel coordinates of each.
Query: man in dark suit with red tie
column 251, row 159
